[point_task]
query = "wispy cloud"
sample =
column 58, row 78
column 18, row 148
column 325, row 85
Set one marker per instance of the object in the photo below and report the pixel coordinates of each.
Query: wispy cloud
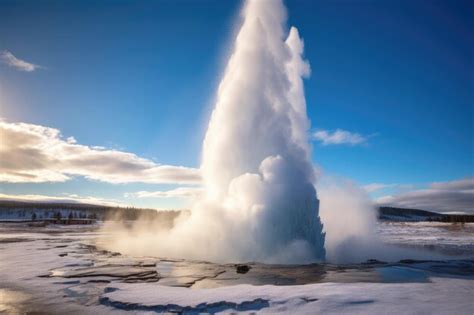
column 339, row 136
column 22, row 65
column 377, row 186
column 180, row 192
column 34, row 154
column 456, row 195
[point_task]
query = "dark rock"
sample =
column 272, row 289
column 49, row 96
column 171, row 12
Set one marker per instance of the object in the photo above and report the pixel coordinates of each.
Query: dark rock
column 414, row 261
column 145, row 265
column 309, row 300
column 14, row 240
column 242, row 268
column 374, row 262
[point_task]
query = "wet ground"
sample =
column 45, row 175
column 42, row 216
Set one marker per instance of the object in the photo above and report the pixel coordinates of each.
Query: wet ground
column 60, row 268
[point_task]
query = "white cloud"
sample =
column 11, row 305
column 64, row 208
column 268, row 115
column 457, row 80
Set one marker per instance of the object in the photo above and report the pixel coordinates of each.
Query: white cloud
column 33, row 154
column 180, row 192
column 377, row 186
column 22, row 65
column 466, row 184
column 62, row 199
column 339, row 136
column 456, row 195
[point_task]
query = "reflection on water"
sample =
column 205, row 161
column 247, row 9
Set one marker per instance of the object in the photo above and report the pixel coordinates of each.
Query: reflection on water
column 76, row 271
column 402, row 274
column 11, row 301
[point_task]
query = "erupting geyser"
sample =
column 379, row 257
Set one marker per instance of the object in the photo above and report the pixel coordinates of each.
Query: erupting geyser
column 256, row 155
column 259, row 202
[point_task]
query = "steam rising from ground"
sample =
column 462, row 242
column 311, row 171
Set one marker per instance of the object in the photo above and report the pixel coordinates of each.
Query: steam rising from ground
column 260, row 203
column 350, row 223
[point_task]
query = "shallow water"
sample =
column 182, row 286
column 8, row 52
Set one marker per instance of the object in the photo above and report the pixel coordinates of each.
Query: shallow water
column 61, row 267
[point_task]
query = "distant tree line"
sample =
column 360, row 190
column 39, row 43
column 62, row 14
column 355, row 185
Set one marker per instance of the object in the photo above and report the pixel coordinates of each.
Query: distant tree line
column 405, row 214
column 59, row 211
column 453, row 218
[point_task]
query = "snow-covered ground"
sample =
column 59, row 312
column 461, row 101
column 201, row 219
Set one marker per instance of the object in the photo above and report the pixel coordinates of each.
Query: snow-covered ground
column 57, row 269
column 438, row 296
column 449, row 238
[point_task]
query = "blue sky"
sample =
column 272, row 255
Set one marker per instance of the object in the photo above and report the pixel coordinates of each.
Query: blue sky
column 140, row 77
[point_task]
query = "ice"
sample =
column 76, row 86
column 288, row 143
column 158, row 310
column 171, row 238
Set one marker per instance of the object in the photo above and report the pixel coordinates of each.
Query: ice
column 439, row 296
column 448, row 238
column 36, row 275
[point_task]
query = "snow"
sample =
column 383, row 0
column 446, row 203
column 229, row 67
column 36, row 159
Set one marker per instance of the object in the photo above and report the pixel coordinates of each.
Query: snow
column 440, row 296
column 445, row 237
column 408, row 289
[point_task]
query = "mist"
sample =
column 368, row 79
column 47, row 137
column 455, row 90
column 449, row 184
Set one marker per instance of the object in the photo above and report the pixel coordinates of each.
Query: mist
column 259, row 201
column 350, row 224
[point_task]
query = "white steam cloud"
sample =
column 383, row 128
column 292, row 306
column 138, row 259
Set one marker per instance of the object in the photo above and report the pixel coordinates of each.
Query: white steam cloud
column 349, row 221
column 259, row 202
column 350, row 224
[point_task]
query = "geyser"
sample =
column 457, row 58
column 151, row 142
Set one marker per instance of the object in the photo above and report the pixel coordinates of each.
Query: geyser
column 256, row 155
column 259, row 203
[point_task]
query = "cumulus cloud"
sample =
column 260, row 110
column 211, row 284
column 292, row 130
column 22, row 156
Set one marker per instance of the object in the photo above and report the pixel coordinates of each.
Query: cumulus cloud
column 180, row 192
column 67, row 198
column 339, row 136
column 33, row 154
column 22, row 65
column 456, row 195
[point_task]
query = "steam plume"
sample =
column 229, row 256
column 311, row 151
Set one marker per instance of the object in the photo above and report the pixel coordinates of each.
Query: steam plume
column 260, row 203
column 256, row 157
